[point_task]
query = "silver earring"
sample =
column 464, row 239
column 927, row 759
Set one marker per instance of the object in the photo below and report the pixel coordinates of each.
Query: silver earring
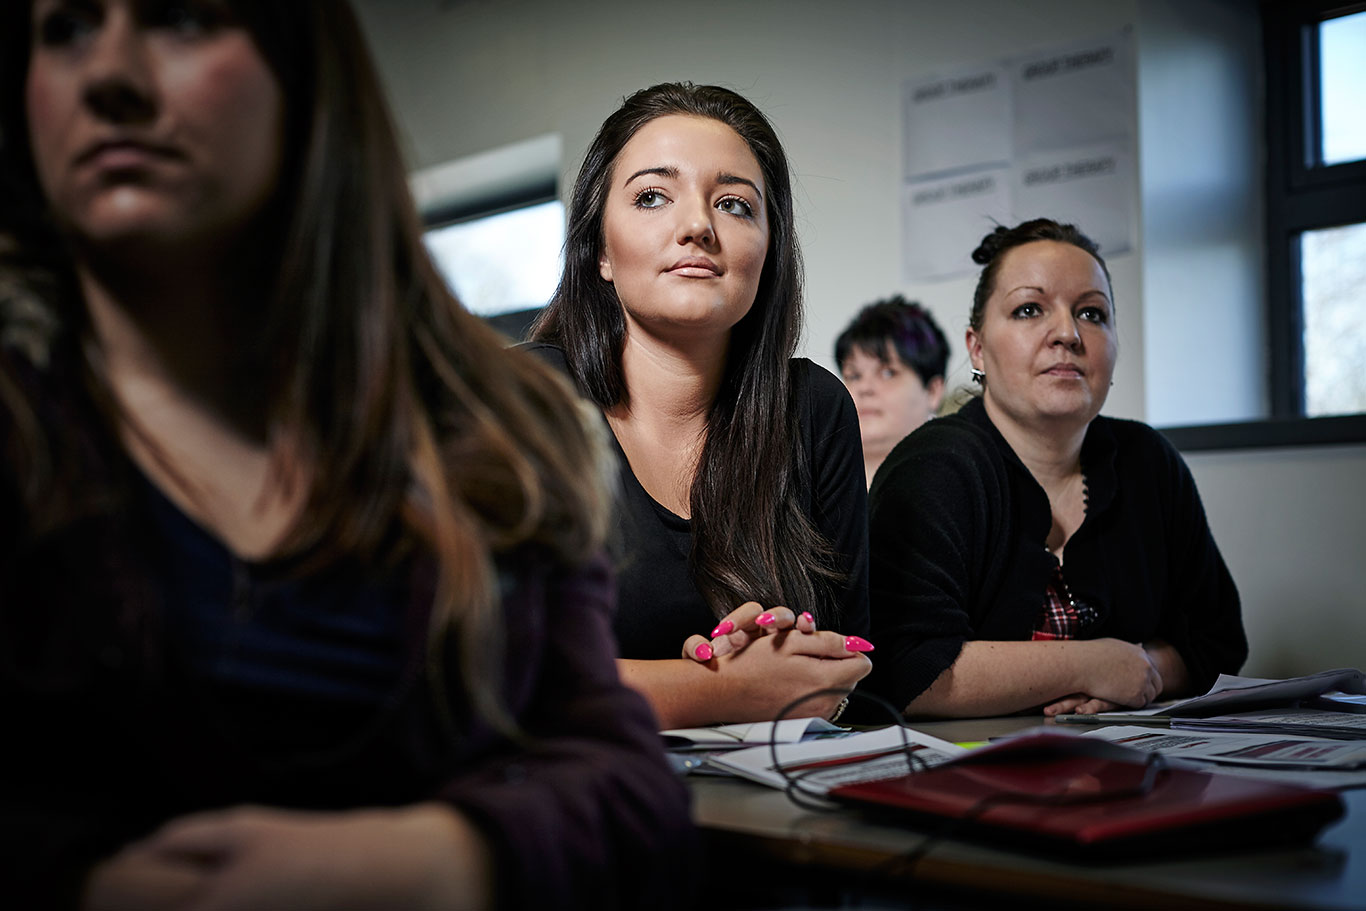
column 978, row 376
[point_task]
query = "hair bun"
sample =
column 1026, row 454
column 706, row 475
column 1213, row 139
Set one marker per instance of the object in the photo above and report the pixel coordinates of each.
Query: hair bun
column 990, row 246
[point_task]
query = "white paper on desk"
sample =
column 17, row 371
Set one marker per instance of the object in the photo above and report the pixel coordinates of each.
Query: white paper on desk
column 1240, row 749
column 869, row 756
column 789, row 730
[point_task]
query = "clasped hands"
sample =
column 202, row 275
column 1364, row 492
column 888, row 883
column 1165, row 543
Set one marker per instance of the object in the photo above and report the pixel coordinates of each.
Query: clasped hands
column 777, row 655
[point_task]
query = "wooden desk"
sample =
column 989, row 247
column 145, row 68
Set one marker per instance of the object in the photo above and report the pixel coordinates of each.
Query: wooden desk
column 828, row 859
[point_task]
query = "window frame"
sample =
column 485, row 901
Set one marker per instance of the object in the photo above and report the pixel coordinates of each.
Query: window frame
column 1300, row 196
column 513, row 324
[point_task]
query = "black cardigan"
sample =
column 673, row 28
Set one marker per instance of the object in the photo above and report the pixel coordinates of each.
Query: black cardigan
column 957, row 529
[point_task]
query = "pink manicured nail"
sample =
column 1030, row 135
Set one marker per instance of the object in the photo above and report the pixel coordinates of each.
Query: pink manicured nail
column 806, row 615
column 857, row 644
column 725, row 626
column 703, row 652
column 764, row 619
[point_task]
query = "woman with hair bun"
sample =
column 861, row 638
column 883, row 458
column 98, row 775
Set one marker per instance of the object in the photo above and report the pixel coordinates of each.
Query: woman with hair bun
column 1027, row 553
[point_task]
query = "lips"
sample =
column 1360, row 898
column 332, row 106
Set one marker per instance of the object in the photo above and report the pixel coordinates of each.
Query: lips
column 695, row 266
column 121, row 153
column 1065, row 369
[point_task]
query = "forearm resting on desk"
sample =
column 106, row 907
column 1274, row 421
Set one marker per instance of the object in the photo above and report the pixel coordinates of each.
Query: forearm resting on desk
column 1001, row 678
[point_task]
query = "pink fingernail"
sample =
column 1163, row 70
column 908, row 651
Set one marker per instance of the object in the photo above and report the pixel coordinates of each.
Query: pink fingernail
column 806, row 615
column 725, row 626
column 857, row 644
column 764, row 619
column 703, row 652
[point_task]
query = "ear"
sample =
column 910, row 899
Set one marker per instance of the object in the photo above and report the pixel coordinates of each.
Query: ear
column 973, row 340
column 604, row 266
column 935, row 390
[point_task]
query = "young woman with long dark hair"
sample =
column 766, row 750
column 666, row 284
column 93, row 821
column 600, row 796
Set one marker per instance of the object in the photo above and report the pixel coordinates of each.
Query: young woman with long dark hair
column 741, row 516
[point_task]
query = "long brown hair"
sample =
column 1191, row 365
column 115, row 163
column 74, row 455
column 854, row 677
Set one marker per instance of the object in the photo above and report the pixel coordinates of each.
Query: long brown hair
column 403, row 414
column 750, row 540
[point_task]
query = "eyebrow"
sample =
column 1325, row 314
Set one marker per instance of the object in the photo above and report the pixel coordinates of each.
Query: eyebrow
column 672, row 174
column 1088, row 293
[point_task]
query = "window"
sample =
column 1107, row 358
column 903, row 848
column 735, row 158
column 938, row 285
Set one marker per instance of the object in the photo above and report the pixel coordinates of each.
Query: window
column 495, row 227
column 503, row 266
column 1316, row 206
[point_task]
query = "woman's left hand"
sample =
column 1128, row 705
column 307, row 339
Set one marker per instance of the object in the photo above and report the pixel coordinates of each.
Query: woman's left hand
column 421, row 856
column 1079, row 704
column 742, row 626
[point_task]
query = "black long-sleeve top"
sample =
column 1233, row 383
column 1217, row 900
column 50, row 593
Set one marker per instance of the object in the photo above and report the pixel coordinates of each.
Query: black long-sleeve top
column 958, row 525
column 660, row 604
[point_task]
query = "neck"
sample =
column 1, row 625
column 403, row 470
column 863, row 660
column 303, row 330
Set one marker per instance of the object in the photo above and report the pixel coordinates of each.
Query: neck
column 175, row 333
column 670, row 383
column 1052, row 455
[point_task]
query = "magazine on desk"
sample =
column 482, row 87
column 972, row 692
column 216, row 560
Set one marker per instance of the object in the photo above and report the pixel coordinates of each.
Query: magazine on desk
column 1304, row 761
column 825, row 764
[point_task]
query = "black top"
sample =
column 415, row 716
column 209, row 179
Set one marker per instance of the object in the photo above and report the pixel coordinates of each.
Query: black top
column 958, row 528
column 659, row 605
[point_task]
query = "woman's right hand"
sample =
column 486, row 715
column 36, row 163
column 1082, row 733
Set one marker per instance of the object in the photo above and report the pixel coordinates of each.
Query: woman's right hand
column 1118, row 672
column 771, row 671
column 748, row 622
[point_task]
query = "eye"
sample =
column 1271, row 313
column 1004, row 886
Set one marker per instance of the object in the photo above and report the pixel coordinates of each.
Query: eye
column 1095, row 315
column 650, row 198
column 63, row 26
column 1026, row 311
column 189, row 18
column 889, row 372
column 735, row 205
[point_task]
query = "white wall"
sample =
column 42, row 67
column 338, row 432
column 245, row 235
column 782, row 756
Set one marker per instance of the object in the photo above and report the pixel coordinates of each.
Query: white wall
column 1292, row 527
column 471, row 75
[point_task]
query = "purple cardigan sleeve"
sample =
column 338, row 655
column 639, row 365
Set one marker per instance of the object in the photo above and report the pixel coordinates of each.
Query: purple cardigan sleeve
column 587, row 815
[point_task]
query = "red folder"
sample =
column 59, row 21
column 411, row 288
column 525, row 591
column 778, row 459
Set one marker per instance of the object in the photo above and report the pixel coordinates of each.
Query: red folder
column 1084, row 797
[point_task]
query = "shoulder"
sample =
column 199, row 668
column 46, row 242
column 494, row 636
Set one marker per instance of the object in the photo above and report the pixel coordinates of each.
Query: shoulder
column 1139, row 447
column 546, row 353
column 821, row 396
column 947, row 456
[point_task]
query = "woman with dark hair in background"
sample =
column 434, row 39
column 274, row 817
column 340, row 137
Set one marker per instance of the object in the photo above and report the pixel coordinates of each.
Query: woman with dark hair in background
column 1027, row 552
column 299, row 602
column 678, row 314
column 892, row 357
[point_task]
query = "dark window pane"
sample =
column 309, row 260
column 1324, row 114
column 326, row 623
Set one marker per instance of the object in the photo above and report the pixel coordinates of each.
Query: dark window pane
column 1333, row 272
column 1342, row 84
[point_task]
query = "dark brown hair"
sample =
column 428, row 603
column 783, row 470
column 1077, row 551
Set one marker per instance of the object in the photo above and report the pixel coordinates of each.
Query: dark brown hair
column 907, row 328
column 751, row 540
column 403, row 413
column 995, row 245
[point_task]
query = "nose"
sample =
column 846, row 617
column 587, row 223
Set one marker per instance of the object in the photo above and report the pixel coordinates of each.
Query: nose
column 695, row 224
column 1063, row 330
column 119, row 83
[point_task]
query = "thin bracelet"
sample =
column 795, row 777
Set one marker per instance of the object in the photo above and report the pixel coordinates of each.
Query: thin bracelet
column 839, row 710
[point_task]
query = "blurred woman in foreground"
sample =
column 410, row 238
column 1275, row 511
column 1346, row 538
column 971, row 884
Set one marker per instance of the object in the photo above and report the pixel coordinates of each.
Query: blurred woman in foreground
column 300, row 604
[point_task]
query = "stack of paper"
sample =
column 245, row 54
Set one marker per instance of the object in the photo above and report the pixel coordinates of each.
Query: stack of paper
column 823, row 764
